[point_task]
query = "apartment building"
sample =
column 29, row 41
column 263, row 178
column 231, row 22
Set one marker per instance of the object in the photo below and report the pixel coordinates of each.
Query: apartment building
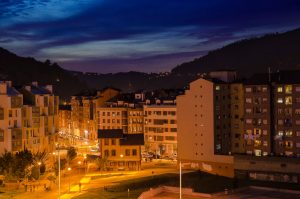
column 84, row 111
column 65, row 120
column 287, row 118
column 272, row 108
column 258, row 132
column 237, row 118
column 120, row 151
column 28, row 117
column 204, row 125
column 40, row 117
column 160, row 129
column 11, row 103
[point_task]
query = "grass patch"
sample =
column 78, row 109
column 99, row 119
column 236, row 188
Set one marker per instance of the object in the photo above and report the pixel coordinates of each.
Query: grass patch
column 198, row 181
column 105, row 176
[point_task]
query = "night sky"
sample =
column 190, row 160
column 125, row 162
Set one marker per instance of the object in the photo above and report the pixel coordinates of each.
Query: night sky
column 142, row 35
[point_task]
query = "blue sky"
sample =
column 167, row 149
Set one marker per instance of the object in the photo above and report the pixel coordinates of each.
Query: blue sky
column 143, row 35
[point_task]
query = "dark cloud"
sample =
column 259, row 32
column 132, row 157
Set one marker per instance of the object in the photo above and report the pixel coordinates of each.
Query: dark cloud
column 36, row 28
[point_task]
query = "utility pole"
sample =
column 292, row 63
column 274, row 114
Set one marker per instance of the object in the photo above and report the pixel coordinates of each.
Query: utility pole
column 58, row 172
column 180, row 180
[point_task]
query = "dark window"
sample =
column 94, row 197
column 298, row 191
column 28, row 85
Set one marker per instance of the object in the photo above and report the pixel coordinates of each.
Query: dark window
column 134, row 152
column 127, row 152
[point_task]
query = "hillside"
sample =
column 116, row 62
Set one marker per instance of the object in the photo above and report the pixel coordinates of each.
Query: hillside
column 23, row 70
column 278, row 51
column 132, row 81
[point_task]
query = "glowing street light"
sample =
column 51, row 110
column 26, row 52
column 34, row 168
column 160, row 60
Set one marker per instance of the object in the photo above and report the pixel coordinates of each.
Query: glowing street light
column 69, row 169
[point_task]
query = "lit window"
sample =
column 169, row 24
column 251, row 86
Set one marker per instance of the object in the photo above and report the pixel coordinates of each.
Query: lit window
column 265, row 132
column 279, row 89
column 288, row 89
column 257, row 143
column 248, row 110
column 264, row 89
column 248, row 100
column 279, row 100
column 288, row 133
column 288, row 100
column 297, row 89
column 265, row 153
column 248, row 121
column 218, row 88
column 248, row 90
column 280, row 133
column 265, row 143
column 265, row 121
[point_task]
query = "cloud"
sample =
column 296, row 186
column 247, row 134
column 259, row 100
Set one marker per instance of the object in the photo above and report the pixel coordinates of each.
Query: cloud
column 100, row 31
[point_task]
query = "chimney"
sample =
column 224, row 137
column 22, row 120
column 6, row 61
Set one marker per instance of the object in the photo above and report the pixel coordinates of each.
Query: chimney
column 3, row 88
column 8, row 83
column 49, row 88
column 28, row 88
column 34, row 83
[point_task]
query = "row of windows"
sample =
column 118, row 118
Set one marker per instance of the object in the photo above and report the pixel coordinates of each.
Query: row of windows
column 160, row 130
column 256, row 89
column 161, row 138
column 256, row 121
column 113, row 153
column 160, row 121
column 287, row 89
column 173, row 113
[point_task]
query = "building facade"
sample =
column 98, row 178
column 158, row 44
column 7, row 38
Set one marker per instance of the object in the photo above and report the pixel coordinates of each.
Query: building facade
column 120, row 151
column 160, row 129
column 28, row 117
column 202, row 134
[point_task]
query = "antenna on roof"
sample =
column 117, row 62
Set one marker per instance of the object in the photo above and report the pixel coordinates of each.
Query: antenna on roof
column 269, row 71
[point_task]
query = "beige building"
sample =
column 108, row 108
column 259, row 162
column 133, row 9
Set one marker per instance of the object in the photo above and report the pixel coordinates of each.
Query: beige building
column 11, row 103
column 121, row 151
column 28, row 117
column 160, row 129
column 201, row 132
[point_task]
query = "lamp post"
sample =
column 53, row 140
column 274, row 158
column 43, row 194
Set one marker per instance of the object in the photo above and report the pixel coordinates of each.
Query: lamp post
column 69, row 169
column 85, row 162
column 79, row 163
column 180, row 180
column 39, row 166
column 121, row 156
column 58, row 172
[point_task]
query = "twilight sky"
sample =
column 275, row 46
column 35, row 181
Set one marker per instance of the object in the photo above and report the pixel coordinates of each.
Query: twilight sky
column 143, row 35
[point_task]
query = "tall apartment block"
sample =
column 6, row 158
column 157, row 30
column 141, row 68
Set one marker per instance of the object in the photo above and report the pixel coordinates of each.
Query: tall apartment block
column 203, row 117
column 28, row 117
column 272, row 115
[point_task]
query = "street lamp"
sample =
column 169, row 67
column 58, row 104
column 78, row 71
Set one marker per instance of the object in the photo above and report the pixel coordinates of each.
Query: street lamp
column 79, row 163
column 85, row 162
column 69, row 169
column 121, row 156
column 39, row 163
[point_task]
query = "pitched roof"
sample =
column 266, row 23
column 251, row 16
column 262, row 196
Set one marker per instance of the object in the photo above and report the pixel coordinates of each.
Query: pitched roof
column 65, row 107
column 132, row 139
column 110, row 133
